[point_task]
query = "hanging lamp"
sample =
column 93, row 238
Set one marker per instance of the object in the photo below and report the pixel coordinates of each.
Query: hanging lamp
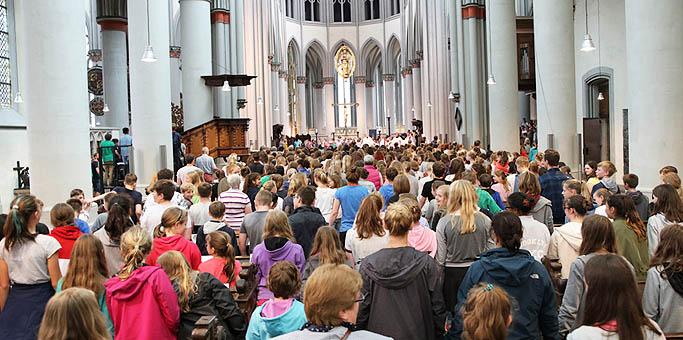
column 148, row 55
column 587, row 44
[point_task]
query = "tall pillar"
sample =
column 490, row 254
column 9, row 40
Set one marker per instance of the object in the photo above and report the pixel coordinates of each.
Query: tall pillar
column 302, row 125
column 195, row 26
column 55, row 96
column 474, row 57
column 555, row 78
column 361, row 112
column 653, row 38
column 150, row 88
column 112, row 17
column 220, row 22
column 237, row 54
column 329, row 106
column 389, row 99
column 284, row 103
column 319, row 108
column 408, row 105
column 503, row 101
column 417, row 88
column 371, row 105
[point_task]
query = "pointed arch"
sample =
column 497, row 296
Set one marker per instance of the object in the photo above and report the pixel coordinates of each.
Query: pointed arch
column 332, row 51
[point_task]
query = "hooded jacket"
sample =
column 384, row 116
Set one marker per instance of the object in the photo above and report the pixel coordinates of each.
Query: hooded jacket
column 144, row 306
column 543, row 212
column 210, row 227
column 305, row 222
column 112, row 251
column 270, row 251
column 374, row 176
column 211, row 298
column 530, row 289
column 423, row 239
column 632, row 248
column 609, row 183
column 66, row 236
column 262, row 327
column 565, row 243
column 403, row 294
column 663, row 299
column 655, row 225
column 175, row 242
column 642, row 204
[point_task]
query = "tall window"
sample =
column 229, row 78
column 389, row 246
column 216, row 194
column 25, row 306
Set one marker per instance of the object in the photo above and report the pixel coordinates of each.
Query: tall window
column 371, row 9
column 312, row 10
column 346, row 102
column 342, row 10
column 394, row 7
column 289, row 8
column 5, row 72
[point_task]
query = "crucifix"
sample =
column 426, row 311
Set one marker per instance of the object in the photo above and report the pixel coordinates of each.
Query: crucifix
column 22, row 176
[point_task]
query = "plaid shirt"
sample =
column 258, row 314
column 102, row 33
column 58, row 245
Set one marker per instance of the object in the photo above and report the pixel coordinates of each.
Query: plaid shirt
column 551, row 188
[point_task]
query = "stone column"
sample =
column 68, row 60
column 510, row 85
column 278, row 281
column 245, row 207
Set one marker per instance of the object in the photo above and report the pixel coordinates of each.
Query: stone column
column 112, row 17
column 301, row 105
column 319, row 108
column 55, row 96
column 195, row 25
column 654, row 48
column 555, row 77
column 475, row 75
column 220, row 22
column 284, row 102
column 150, row 88
column 408, row 104
column 417, row 88
column 503, row 102
column 329, row 106
column 371, row 105
column 389, row 99
column 361, row 112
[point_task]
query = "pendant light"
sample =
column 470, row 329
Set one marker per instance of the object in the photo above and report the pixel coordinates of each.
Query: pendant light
column 492, row 79
column 105, row 108
column 600, row 96
column 18, row 98
column 148, row 54
column 226, row 87
column 587, row 44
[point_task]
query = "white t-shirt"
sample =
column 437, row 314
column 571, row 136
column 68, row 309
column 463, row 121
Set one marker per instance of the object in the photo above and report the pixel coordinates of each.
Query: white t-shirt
column 199, row 213
column 536, row 237
column 601, row 210
column 324, row 200
column 27, row 262
column 181, row 176
column 152, row 217
column 360, row 249
column 592, row 332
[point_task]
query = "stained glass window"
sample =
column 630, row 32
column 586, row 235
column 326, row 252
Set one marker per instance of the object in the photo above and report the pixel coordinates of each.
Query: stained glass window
column 5, row 72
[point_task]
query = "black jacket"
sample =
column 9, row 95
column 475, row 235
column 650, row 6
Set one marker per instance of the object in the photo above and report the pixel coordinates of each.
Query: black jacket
column 212, row 298
column 201, row 239
column 305, row 222
column 642, row 204
column 403, row 294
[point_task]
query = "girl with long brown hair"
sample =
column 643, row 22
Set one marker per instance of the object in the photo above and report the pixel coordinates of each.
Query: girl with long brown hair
column 327, row 249
column 118, row 221
column 663, row 294
column 169, row 235
column 542, row 211
column 461, row 236
column 613, row 306
column 201, row 294
column 72, row 314
column 223, row 264
column 368, row 234
column 668, row 209
column 487, row 313
column 630, row 231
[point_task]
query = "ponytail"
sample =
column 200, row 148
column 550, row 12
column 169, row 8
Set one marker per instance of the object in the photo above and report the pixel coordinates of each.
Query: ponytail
column 486, row 313
column 16, row 226
column 508, row 229
column 135, row 246
column 220, row 241
column 118, row 216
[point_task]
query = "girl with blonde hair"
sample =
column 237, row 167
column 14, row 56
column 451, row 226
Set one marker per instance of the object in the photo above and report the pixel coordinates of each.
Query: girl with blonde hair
column 368, row 234
column 169, row 235
column 278, row 245
column 72, row 314
column 141, row 299
column 487, row 313
column 201, row 294
column 420, row 237
column 324, row 194
column 327, row 249
column 461, row 235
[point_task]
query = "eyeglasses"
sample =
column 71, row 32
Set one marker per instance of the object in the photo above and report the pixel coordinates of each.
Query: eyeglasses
column 362, row 298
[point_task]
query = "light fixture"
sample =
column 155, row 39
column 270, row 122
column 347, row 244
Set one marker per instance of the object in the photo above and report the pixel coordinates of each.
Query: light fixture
column 277, row 108
column 226, row 87
column 492, row 80
column 429, row 105
column 587, row 44
column 148, row 54
column 259, row 101
column 18, row 98
column 600, row 96
column 105, row 108
column 451, row 96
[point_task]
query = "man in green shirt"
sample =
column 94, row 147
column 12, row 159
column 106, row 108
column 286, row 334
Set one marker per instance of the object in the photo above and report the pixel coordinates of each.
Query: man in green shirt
column 107, row 151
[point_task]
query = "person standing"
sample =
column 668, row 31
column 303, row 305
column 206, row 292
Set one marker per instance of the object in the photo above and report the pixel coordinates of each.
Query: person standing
column 349, row 199
column 306, row 219
column 126, row 144
column 373, row 174
column 206, row 163
column 107, row 150
column 551, row 184
column 177, row 149
column 182, row 174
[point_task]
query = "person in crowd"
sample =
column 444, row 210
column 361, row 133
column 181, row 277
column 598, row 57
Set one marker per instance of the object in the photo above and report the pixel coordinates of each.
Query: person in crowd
column 65, row 232
column 402, row 287
column 542, row 210
column 188, row 191
column 237, row 203
column 182, row 174
column 126, row 142
column 663, row 294
column 327, row 249
column 72, row 314
column 401, row 186
column 441, row 207
column 600, row 198
column 373, row 175
column 639, row 199
column 675, row 181
column 521, row 166
column 421, row 238
column 438, row 173
column 77, row 207
column 573, row 187
column 306, row 219
column 551, row 184
column 206, row 164
column 668, row 209
column 332, row 297
column 201, row 294
column 101, row 218
column 631, row 233
column 30, row 261
column 598, row 238
column 368, row 234
column 605, row 173
column 169, row 236
column 215, row 223
column 281, row 314
column 252, row 184
column 485, row 182
column 565, row 242
column 324, row 195
column 256, row 166
column 222, row 264
column 667, row 169
column 130, row 182
column 487, row 313
column 163, row 193
column 349, row 199
column 484, row 199
column 150, row 200
column 387, row 189
column 107, row 149
column 95, row 177
column 411, row 171
column 536, row 237
column 140, row 299
column 502, row 186
column 251, row 229
column 455, row 170
column 363, row 180
column 613, row 309
column 88, row 269
column 278, row 245
column 523, row 278
column 199, row 212
column 462, row 235
column 296, row 182
column 270, row 186
column 232, row 169
column 118, row 222
column 591, row 178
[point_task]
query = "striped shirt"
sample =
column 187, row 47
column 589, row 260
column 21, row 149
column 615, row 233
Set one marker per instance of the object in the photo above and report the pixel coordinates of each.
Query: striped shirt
column 235, row 202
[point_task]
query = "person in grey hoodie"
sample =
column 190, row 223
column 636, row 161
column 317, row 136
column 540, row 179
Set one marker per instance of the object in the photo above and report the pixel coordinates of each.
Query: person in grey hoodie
column 663, row 294
column 605, row 173
column 216, row 211
column 543, row 209
column 668, row 209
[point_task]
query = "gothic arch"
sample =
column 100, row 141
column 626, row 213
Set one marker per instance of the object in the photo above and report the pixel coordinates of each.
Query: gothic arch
column 333, row 51
column 367, row 54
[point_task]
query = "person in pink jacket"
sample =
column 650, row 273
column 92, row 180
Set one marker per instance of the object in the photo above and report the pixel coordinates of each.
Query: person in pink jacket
column 373, row 174
column 141, row 300
column 420, row 237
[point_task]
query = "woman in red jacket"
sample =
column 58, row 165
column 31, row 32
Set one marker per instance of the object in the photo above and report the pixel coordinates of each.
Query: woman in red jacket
column 65, row 231
column 140, row 299
column 169, row 235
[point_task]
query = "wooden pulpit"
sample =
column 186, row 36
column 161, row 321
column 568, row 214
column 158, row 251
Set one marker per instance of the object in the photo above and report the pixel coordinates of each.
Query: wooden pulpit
column 223, row 137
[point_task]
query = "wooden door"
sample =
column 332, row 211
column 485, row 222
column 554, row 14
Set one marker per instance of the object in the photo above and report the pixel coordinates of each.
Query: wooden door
column 592, row 140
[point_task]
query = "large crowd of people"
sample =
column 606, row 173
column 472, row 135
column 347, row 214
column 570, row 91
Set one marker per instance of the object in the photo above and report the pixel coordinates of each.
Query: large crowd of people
column 354, row 240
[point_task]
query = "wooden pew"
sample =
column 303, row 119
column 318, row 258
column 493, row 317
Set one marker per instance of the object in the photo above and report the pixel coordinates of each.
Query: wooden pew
column 554, row 268
column 246, row 292
column 208, row 328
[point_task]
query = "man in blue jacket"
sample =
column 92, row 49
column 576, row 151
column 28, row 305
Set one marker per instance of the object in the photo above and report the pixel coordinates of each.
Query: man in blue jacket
column 551, row 184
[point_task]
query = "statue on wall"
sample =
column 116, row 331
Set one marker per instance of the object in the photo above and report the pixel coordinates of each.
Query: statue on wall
column 345, row 62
